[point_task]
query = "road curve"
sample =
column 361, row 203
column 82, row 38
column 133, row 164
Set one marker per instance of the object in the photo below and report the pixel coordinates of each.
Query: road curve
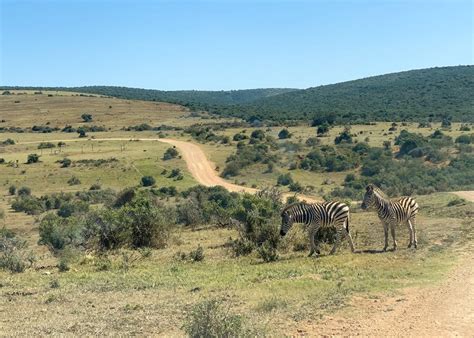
column 200, row 167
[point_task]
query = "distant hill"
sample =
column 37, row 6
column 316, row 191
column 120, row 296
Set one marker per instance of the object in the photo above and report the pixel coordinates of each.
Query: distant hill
column 433, row 93
column 191, row 98
column 412, row 95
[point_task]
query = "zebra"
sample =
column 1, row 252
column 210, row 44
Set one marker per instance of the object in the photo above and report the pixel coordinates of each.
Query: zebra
column 317, row 215
column 392, row 212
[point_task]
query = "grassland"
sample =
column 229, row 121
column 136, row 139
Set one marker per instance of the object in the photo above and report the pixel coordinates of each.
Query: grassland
column 152, row 294
column 124, row 292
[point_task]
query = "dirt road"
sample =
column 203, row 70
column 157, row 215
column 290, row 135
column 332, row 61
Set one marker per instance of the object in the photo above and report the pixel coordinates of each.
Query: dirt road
column 200, row 167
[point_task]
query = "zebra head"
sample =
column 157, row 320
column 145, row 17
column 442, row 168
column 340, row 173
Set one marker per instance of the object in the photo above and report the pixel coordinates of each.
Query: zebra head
column 369, row 197
column 286, row 223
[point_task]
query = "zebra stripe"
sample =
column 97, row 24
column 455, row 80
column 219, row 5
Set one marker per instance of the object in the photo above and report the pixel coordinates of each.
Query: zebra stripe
column 317, row 215
column 392, row 212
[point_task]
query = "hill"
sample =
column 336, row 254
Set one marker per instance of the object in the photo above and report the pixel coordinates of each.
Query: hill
column 416, row 95
column 412, row 95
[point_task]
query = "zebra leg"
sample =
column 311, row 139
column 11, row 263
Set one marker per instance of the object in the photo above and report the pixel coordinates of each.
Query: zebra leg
column 392, row 229
column 385, row 232
column 351, row 243
column 415, row 241
column 336, row 242
column 410, row 230
column 312, row 235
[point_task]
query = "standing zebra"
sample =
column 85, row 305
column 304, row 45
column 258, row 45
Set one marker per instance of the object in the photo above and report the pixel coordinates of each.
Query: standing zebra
column 392, row 212
column 317, row 215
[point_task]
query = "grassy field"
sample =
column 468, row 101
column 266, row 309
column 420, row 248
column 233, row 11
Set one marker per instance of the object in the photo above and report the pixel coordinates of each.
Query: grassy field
column 149, row 293
column 125, row 293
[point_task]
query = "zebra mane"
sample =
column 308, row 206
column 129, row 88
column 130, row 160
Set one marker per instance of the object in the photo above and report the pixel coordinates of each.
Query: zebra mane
column 288, row 207
column 380, row 192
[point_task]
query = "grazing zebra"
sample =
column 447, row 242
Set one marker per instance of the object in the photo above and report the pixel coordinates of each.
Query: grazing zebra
column 317, row 215
column 392, row 212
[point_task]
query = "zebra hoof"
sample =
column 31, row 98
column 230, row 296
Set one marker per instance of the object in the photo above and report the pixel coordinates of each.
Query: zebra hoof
column 409, row 246
column 384, row 249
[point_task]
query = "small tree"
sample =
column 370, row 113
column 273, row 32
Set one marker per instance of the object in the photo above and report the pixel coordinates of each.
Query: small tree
column 65, row 162
column 12, row 190
column 86, row 117
column 170, row 153
column 284, row 179
column 258, row 134
column 82, row 132
column 284, row 134
column 344, row 137
column 32, row 158
column 24, row 191
column 147, row 181
column 323, row 129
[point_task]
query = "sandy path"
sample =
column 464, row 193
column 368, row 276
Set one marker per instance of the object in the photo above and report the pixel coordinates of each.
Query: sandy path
column 444, row 310
column 468, row 195
column 200, row 167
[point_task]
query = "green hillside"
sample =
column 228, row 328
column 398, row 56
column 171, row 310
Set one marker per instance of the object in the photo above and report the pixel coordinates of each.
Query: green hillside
column 411, row 95
column 417, row 95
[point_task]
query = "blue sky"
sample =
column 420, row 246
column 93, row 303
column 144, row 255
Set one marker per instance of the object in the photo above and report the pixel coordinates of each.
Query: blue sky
column 226, row 44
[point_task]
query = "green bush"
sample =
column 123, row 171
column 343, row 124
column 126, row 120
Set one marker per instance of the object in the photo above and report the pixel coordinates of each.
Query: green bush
column 57, row 232
column 13, row 254
column 28, row 204
column 210, row 319
column 68, row 209
column 284, row 134
column 46, row 145
column 74, row 181
column 24, row 191
column 32, row 158
column 8, row 142
column 86, row 117
column 267, row 252
column 465, row 139
column 344, row 137
column 12, row 190
column 241, row 247
column 285, row 179
column 65, row 162
column 197, row 255
column 147, row 181
column 170, row 153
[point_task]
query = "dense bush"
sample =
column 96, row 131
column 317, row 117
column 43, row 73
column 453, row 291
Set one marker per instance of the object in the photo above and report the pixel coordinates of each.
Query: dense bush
column 86, row 117
column 73, row 181
column 12, row 190
column 284, row 179
column 46, row 145
column 8, row 142
column 13, row 254
column 147, row 181
column 245, row 156
column 24, row 191
column 65, row 162
column 465, row 139
column 32, row 158
column 344, row 137
column 284, row 134
column 28, row 204
column 170, row 153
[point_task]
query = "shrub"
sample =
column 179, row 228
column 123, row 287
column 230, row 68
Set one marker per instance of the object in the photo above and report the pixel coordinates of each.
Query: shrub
column 344, row 137
column 124, row 197
column 464, row 127
column 12, row 190
column 312, row 141
column 465, row 139
column 322, row 129
column 258, row 134
column 32, row 158
column 241, row 247
column 28, row 204
column 209, row 319
column 456, row 201
column 57, row 232
column 46, row 145
column 24, row 191
column 95, row 186
column 67, row 209
column 81, row 132
column 239, row 137
column 267, row 252
column 284, row 134
column 73, row 181
column 197, row 255
column 296, row 187
column 170, row 153
column 8, row 142
column 86, row 117
column 284, row 179
column 147, row 181
column 13, row 254
column 65, row 162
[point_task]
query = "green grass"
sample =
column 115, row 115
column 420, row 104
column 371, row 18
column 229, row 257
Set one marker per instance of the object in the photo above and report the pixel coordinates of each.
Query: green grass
column 280, row 294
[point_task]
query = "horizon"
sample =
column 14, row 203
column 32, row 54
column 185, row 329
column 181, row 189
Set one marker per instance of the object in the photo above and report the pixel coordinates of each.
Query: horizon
column 172, row 45
column 220, row 90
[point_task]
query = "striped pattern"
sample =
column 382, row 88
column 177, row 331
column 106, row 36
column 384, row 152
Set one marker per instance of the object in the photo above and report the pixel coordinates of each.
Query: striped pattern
column 317, row 215
column 392, row 212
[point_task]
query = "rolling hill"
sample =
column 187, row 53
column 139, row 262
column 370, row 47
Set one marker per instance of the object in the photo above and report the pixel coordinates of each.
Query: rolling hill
column 416, row 95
